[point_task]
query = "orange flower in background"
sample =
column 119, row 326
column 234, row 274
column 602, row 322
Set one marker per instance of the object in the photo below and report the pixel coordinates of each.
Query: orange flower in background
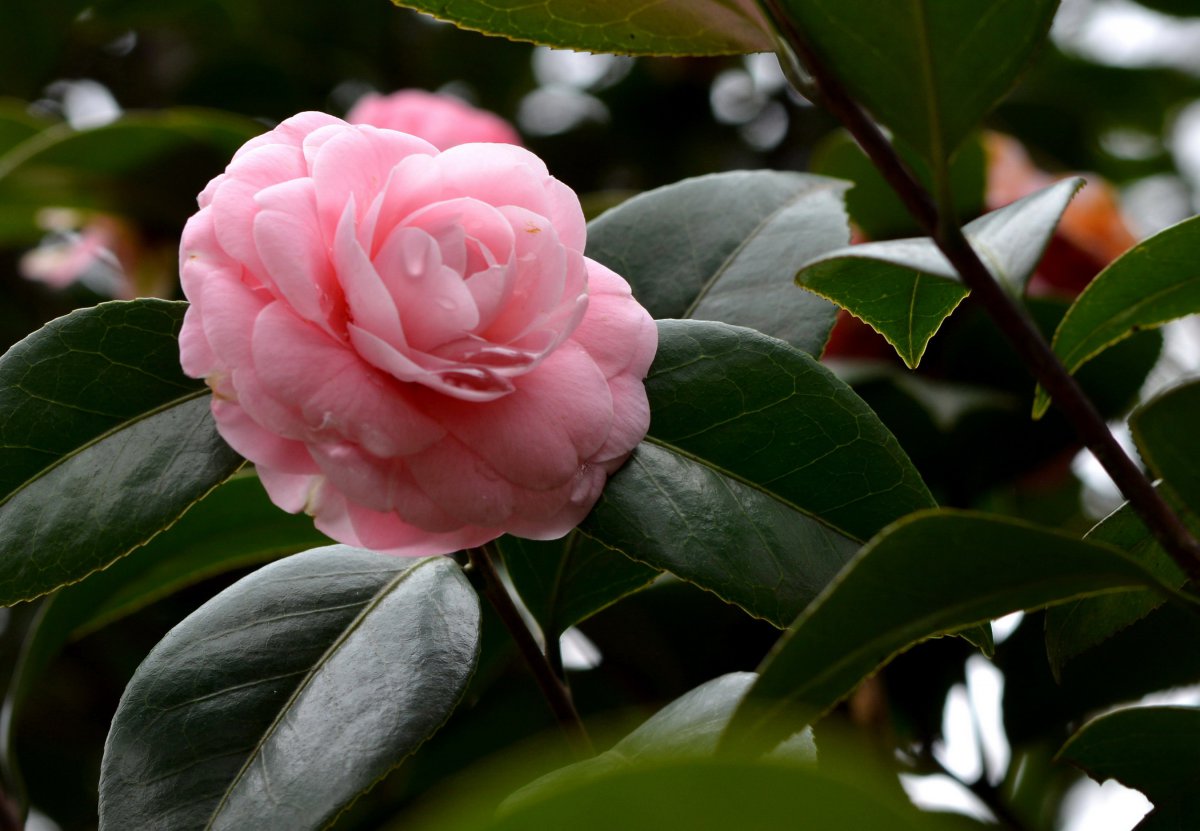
column 1091, row 234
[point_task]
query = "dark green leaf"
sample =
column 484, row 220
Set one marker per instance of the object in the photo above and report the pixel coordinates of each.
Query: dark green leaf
column 1080, row 625
column 927, row 575
column 1150, row 749
column 872, row 203
column 281, row 700
column 148, row 166
column 1153, row 283
column 632, row 27
column 905, row 289
column 760, row 471
column 928, row 69
column 1165, row 432
column 234, row 526
column 563, row 582
column 725, row 247
column 104, row 442
column 16, row 125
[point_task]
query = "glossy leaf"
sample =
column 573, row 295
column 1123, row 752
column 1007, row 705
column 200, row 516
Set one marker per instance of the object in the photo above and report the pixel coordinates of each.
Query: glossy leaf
column 148, row 166
column 927, row 575
column 1075, row 627
column 928, row 69
column 872, row 203
column 760, row 471
column 631, row 27
column 1150, row 749
column 289, row 694
column 104, row 442
column 233, row 527
column 1153, row 283
column 1165, row 432
column 563, row 582
column 905, row 289
column 725, row 247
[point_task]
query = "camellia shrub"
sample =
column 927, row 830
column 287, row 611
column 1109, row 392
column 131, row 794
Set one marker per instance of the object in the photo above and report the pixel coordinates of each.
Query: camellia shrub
column 470, row 513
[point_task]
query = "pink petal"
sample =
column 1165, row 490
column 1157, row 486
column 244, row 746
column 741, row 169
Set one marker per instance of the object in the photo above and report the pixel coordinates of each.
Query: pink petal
column 337, row 394
column 294, row 255
column 536, row 437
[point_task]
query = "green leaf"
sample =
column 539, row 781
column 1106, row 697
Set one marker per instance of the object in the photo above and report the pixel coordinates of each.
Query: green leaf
column 928, row 69
column 712, row 794
column 630, row 27
column 563, row 582
column 905, row 289
column 725, row 247
column 1165, row 433
column 104, row 442
column 1076, row 627
column 688, row 727
column 148, row 166
column 927, row 575
column 233, row 527
column 281, row 700
column 872, row 203
column 759, row 473
column 1155, row 282
column 1150, row 749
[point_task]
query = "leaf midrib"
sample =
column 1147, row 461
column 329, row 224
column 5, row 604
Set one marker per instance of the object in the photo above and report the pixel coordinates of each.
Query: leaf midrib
column 121, row 426
column 380, row 595
column 808, row 189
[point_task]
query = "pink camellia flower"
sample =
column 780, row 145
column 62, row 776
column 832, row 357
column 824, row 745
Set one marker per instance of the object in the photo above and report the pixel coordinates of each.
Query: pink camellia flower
column 410, row 345
column 442, row 120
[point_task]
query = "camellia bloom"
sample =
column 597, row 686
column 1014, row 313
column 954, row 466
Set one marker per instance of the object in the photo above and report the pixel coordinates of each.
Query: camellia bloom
column 442, row 120
column 410, row 345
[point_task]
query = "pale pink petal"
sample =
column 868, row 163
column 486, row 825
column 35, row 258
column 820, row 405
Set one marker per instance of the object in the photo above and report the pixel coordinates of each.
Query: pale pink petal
column 616, row 331
column 294, row 256
column 558, row 416
column 435, row 305
column 356, row 163
column 337, row 394
column 369, row 303
column 442, row 120
column 462, row 483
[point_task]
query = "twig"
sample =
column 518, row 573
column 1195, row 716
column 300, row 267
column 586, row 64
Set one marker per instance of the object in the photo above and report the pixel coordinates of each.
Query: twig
column 553, row 689
column 1013, row 323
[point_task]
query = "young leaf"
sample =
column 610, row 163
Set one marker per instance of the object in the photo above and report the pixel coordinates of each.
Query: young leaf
column 104, row 442
column 1151, row 284
column 1150, row 749
column 927, row 575
column 928, row 69
column 725, row 247
column 278, row 702
column 760, row 471
column 630, row 27
column 233, row 527
column 1075, row 627
column 563, row 582
column 1165, row 432
column 905, row 289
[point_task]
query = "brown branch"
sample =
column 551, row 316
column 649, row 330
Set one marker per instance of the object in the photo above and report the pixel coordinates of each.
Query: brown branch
column 1012, row 321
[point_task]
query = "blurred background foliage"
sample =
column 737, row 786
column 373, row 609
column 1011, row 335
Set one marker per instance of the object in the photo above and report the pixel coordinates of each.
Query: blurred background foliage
column 114, row 113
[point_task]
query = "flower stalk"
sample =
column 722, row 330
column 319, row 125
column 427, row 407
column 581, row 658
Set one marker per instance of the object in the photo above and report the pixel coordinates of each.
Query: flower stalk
column 553, row 689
